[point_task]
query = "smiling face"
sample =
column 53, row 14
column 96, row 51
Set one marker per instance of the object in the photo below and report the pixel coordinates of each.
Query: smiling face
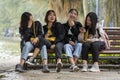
column 73, row 15
column 51, row 17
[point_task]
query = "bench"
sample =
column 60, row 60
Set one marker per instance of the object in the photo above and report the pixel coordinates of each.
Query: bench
column 114, row 51
column 112, row 54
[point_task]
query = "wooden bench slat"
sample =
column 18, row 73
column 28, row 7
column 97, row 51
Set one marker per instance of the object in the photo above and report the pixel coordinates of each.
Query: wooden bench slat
column 110, row 51
column 113, row 33
column 114, row 37
column 115, row 43
column 111, row 28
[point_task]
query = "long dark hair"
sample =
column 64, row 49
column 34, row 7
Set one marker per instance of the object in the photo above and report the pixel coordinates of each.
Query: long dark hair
column 24, row 19
column 48, row 13
column 93, row 18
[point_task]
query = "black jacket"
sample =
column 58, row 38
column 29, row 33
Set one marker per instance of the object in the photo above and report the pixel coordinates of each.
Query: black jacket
column 57, row 30
column 75, row 31
column 27, row 33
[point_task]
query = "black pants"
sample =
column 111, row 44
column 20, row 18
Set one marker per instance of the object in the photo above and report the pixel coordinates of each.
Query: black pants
column 59, row 49
column 94, row 48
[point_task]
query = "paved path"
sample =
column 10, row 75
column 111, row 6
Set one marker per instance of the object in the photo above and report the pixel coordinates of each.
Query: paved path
column 63, row 75
column 7, row 72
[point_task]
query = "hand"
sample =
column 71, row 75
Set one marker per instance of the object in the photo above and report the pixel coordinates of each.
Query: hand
column 90, row 40
column 52, row 46
column 82, row 30
column 46, row 36
column 35, row 40
column 72, row 43
column 71, row 23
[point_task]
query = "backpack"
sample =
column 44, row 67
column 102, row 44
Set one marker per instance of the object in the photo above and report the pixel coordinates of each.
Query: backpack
column 106, row 39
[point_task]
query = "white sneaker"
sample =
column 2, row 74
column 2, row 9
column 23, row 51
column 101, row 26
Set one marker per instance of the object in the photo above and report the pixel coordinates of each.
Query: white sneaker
column 74, row 68
column 95, row 68
column 85, row 68
column 30, row 61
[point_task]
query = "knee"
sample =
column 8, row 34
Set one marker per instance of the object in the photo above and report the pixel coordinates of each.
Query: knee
column 28, row 44
column 66, row 46
column 85, row 45
column 44, row 46
column 79, row 44
column 94, row 46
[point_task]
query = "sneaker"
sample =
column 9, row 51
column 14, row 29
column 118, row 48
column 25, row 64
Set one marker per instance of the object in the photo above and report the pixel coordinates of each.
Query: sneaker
column 95, row 68
column 74, row 68
column 85, row 68
column 45, row 69
column 59, row 66
column 19, row 68
column 30, row 61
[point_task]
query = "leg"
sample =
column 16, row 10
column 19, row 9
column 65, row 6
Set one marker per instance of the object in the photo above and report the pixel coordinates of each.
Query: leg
column 25, row 51
column 77, row 52
column 95, row 47
column 36, row 51
column 44, row 54
column 85, row 50
column 68, row 50
column 31, row 59
column 95, row 50
column 44, row 59
column 58, row 51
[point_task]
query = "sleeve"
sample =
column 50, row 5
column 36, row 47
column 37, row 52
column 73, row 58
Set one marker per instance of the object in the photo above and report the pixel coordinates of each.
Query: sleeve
column 61, row 33
column 75, row 30
column 39, row 30
column 21, row 32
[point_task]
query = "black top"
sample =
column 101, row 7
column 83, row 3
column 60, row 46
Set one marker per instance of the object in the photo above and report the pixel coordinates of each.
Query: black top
column 74, row 30
column 57, row 30
column 27, row 33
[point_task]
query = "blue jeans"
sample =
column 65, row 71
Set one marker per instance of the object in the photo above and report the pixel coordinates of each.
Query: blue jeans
column 28, row 46
column 73, row 51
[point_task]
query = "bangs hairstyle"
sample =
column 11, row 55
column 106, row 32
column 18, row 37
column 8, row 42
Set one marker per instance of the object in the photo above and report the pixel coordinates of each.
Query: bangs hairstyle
column 24, row 19
column 48, row 13
column 94, row 20
column 73, row 10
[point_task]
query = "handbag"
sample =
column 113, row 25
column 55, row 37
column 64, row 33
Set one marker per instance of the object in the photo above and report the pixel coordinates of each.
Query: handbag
column 106, row 39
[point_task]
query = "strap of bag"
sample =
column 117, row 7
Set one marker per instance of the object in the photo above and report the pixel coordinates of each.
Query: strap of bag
column 34, row 29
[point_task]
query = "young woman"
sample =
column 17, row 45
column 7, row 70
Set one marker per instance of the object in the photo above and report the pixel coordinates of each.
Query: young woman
column 31, row 34
column 54, row 34
column 72, row 48
column 94, row 42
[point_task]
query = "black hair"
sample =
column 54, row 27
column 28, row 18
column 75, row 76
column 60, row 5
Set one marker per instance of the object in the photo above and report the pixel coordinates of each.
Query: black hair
column 93, row 19
column 24, row 19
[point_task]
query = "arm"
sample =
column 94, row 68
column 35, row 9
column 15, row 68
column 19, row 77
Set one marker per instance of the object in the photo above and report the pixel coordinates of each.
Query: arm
column 75, row 30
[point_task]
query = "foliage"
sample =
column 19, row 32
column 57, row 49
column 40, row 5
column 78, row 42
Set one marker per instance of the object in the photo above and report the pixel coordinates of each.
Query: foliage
column 11, row 10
